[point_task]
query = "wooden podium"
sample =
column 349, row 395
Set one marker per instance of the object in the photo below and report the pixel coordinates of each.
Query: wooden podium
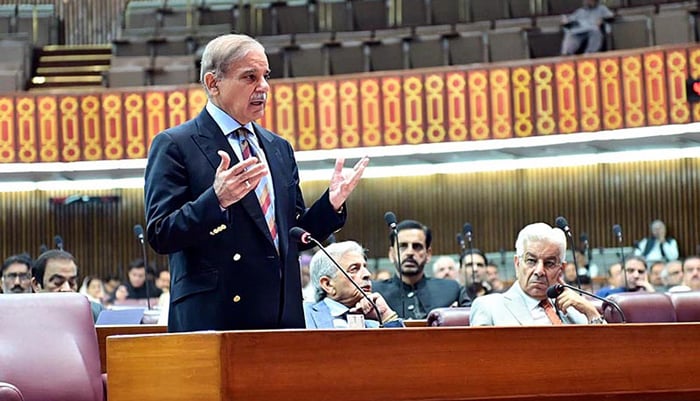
column 611, row 362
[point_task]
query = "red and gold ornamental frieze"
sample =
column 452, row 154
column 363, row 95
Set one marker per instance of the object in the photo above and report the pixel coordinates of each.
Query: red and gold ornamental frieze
column 606, row 91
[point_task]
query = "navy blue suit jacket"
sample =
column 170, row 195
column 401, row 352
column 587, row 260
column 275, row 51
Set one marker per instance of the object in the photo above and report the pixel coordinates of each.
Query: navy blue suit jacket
column 225, row 271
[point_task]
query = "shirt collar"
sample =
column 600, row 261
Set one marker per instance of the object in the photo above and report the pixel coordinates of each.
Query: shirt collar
column 336, row 308
column 226, row 123
column 530, row 302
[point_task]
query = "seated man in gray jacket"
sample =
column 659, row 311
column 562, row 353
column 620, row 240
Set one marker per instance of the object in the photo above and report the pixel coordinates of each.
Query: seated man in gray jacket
column 540, row 252
column 338, row 303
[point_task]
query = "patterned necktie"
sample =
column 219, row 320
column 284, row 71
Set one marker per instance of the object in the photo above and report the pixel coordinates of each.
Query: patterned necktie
column 550, row 312
column 262, row 191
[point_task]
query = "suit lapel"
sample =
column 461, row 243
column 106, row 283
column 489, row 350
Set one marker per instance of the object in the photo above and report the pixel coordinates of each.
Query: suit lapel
column 516, row 306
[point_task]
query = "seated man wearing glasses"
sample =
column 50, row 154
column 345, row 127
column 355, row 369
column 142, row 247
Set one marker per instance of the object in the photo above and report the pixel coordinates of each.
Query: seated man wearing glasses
column 539, row 264
column 17, row 275
column 57, row 271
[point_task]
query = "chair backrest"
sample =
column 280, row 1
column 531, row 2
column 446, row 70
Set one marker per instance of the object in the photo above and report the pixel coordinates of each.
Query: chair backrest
column 48, row 347
column 641, row 307
column 687, row 305
column 449, row 317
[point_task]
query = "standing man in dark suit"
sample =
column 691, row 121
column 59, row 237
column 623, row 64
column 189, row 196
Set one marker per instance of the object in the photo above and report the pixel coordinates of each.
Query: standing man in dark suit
column 414, row 295
column 222, row 193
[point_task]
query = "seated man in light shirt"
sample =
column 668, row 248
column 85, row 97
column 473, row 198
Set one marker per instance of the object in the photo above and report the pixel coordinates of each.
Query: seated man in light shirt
column 539, row 263
column 338, row 303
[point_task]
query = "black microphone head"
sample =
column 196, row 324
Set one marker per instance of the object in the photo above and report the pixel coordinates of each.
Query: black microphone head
column 390, row 219
column 460, row 240
column 300, row 235
column 138, row 231
column 562, row 223
column 555, row 290
column 583, row 237
column 617, row 230
column 467, row 228
column 58, row 241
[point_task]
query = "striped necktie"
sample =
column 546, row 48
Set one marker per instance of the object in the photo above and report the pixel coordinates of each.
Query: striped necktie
column 550, row 312
column 262, row 190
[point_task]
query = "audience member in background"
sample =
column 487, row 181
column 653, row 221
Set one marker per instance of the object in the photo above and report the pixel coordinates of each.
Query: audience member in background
column 163, row 284
column 121, row 294
column 418, row 294
column 383, row 274
column 616, row 282
column 658, row 246
column 137, row 284
column 93, row 289
column 445, row 267
column 17, row 275
column 691, row 275
column 656, row 276
column 673, row 273
column 57, row 271
column 636, row 272
column 473, row 273
column 110, row 283
column 584, row 26
column 307, row 289
column 337, row 299
column 540, row 253
column 493, row 278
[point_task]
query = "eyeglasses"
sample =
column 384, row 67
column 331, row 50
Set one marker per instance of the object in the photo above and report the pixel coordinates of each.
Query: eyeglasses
column 549, row 264
column 14, row 276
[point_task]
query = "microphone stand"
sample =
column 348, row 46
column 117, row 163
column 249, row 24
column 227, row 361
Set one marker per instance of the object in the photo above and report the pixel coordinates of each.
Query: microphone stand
column 390, row 219
column 617, row 230
column 138, row 230
column 556, row 290
column 564, row 226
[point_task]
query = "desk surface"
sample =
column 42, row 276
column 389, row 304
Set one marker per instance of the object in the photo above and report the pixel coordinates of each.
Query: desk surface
column 614, row 362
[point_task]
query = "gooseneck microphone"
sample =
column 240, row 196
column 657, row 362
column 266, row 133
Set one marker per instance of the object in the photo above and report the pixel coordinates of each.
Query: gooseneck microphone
column 59, row 242
column 138, row 231
column 564, row 226
column 556, row 290
column 468, row 234
column 390, row 219
column 617, row 231
column 300, row 235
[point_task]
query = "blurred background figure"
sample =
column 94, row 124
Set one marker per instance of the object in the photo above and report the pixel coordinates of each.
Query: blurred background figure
column 658, row 246
column 584, row 28
column 307, row 289
column 445, row 267
column 93, row 289
column 17, row 275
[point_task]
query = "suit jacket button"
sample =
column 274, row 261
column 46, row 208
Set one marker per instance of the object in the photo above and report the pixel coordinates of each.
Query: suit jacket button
column 236, row 298
column 237, row 257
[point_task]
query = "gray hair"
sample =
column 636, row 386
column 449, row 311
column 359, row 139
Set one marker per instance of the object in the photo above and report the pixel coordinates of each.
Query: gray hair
column 541, row 232
column 224, row 50
column 322, row 266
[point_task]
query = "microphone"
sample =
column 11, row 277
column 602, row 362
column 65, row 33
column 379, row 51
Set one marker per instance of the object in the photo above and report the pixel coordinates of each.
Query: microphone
column 467, row 232
column 390, row 219
column 556, row 290
column 59, row 242
column 138, row 231
column 564, row 226
column 617, row 231
column 300, row 235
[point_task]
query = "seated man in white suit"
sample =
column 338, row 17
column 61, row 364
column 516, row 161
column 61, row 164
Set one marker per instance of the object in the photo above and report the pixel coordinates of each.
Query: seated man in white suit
column 539, row 263
column 338, row 302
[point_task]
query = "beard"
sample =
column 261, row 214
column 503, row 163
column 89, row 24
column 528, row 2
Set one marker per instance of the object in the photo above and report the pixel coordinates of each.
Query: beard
column 410, row 267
